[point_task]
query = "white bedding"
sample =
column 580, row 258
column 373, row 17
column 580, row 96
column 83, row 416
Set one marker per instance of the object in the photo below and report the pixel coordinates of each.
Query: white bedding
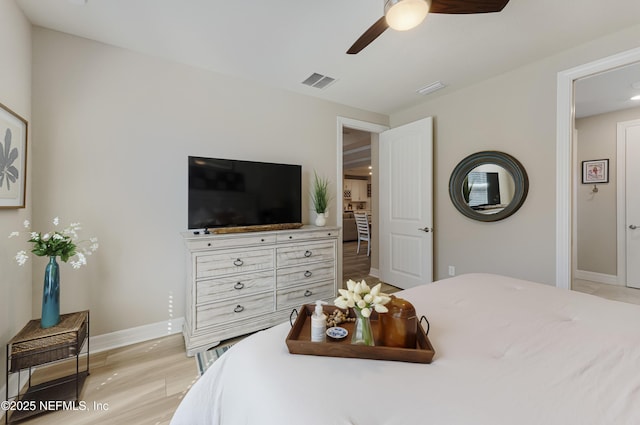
column 508, row 352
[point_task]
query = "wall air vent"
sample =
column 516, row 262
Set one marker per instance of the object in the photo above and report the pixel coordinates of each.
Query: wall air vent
column 435, row 86
column 318, row 81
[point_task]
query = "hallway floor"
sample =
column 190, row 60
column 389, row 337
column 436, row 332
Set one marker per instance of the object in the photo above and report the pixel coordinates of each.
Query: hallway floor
column 612, row 292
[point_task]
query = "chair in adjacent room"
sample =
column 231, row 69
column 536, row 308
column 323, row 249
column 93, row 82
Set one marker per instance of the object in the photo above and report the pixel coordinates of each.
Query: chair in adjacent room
column 362, row 225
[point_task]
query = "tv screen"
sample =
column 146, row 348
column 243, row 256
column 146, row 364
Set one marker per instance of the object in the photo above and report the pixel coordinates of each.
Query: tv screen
column 226, row 192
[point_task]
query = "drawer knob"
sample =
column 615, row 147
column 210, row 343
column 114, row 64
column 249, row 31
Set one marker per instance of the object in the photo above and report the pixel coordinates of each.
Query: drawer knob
column 239, row 285
column 308, row 293
column 307, row 253
column 238, row 262
column 307, row 273
column 209, row 244
column 238, row 308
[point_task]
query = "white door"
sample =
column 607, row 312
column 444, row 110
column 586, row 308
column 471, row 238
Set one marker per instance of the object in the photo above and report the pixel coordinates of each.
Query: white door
column 406, row 198
column 632, row 196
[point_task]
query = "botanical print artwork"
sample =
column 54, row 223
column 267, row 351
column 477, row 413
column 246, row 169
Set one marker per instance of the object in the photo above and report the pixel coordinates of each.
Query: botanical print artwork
column 8, row 171
column 13, row 159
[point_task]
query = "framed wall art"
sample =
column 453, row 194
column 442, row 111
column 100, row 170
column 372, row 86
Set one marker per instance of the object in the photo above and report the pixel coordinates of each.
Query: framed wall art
column 595, row 171
column 13, row 159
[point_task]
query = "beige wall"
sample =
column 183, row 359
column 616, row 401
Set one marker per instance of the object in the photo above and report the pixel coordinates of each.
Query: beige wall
column 15, row 93
column 515, row 113
column 596, row 212
column 113, row 130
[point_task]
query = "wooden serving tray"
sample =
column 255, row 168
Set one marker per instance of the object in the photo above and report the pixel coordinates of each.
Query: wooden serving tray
column 299, row 341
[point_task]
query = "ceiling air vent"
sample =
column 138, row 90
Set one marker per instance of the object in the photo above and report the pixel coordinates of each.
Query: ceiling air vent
column 318, row 81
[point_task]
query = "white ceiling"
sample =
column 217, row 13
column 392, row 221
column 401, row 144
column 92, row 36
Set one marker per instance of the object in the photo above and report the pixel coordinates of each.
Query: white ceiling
column 281, row 42
column 608, row 91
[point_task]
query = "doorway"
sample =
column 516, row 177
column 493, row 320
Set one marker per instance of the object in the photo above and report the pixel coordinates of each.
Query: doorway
column 357, row 147
column 356, row 198
column 569, row 167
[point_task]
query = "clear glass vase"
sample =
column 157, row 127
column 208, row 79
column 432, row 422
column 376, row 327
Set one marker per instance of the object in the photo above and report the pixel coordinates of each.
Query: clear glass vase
column 51, row 295
column 362, row 332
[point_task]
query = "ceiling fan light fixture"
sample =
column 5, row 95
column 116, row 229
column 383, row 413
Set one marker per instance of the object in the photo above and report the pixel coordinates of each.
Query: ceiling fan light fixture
column 402, row 15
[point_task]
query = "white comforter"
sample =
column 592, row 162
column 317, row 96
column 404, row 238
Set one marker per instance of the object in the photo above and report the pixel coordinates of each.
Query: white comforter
column 508, row 352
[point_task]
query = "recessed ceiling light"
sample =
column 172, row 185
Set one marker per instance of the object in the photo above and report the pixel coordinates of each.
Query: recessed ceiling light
column 636, row 97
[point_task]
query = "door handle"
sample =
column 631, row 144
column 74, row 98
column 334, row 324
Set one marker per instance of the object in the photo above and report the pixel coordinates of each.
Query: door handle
column 633, row 227
column 426, row 229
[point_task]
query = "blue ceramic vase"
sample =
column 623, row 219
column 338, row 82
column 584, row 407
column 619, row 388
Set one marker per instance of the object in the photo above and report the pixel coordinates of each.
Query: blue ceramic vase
column 51, row 295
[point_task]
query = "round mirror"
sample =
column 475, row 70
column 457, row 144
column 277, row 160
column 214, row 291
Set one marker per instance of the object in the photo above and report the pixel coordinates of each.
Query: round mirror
column 488, row 186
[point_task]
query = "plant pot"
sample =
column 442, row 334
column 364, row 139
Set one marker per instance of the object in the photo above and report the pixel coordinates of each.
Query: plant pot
column 321, row 220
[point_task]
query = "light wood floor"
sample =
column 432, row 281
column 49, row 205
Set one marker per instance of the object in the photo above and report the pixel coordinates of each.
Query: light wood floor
column 611, row 292
column 141, row 384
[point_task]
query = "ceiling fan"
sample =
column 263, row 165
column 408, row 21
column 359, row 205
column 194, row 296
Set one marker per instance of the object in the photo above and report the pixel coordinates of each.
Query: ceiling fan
column 402, row 15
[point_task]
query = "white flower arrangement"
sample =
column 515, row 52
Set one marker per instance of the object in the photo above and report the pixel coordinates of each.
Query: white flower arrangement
column 360, row 296
column 63, row 243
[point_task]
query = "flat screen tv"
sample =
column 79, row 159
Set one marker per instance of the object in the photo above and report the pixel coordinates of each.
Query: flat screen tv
column 226, row 192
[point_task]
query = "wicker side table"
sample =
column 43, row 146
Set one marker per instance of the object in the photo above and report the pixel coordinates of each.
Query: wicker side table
column 34, row 346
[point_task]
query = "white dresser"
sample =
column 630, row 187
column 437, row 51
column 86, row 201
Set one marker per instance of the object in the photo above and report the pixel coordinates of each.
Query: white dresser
column 243, row 282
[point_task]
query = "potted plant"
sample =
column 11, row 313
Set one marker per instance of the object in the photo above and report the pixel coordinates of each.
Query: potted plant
column 320, row 198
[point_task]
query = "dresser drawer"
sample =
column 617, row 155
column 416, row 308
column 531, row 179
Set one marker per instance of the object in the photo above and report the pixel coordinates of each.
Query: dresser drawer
column 207, row 242
column 305, row 294
column 304, row 273
column 234, row 286
column 307, row 235
column 233, row 261
column 305, row 253
column 232, row 310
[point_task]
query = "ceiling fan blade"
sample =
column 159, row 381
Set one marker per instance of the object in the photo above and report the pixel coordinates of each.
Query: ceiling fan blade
column 467, row 6
column 369, row 35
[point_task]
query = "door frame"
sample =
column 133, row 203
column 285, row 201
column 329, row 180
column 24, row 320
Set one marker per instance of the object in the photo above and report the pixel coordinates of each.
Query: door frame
column 343, row 122
column 565, row 164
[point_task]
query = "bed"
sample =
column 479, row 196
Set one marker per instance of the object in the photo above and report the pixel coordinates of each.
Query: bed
column 508, row 351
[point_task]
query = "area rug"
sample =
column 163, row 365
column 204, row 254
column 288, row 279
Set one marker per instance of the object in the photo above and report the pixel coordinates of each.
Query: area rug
column 205, row 359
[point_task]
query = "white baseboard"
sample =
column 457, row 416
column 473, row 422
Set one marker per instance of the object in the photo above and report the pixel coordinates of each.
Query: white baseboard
column 374, row 272
column 608, row 279
column 134, row 335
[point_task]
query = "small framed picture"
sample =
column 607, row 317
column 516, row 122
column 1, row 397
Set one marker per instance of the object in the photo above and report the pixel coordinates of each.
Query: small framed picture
column 13, row 159
column 595, row 171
